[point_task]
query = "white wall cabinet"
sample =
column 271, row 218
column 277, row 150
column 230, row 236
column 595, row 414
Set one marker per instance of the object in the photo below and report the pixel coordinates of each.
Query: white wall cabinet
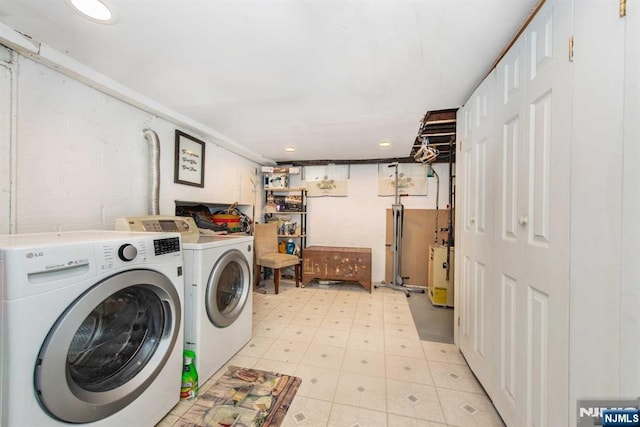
column 530, row 286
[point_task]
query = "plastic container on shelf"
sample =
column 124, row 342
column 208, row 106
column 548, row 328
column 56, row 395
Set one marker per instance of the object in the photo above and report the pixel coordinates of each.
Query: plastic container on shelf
column 291, row 247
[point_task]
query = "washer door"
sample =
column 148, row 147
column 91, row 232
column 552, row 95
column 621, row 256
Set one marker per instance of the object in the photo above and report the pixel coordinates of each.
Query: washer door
column 108, row 346
column 228, row 288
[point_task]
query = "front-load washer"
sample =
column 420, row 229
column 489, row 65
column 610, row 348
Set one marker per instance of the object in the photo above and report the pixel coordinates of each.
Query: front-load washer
column 218, row 300
column 92, row 328
column 219, row 303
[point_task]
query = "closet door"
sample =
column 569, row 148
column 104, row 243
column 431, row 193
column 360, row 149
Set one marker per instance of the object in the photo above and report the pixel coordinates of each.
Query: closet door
column 532, row 255
column 546, row 216
column 508, row 259
column 462, row 239
column 477, row 302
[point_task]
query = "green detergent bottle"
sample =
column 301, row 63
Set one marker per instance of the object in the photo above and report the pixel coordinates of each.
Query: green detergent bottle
column 189, row 387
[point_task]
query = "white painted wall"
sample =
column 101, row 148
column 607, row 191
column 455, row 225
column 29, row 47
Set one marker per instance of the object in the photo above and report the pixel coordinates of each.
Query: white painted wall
column 596, row 202
column 359, row 219
column 630, row 275
column 82, row 158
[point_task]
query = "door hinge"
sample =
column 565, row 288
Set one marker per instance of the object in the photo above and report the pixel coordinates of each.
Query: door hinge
column 458, row 320
column 571, row 49
column 623, row 8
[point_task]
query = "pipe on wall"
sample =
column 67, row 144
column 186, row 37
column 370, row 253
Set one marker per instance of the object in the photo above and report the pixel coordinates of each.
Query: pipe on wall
column 154, row 171
column 435, row 237
column 12, row 66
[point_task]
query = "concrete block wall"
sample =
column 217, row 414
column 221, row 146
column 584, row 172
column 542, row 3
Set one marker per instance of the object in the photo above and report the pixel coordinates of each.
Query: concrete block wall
column 82, row 159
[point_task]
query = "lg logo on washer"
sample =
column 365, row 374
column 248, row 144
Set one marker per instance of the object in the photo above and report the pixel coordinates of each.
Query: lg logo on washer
column 34, row 254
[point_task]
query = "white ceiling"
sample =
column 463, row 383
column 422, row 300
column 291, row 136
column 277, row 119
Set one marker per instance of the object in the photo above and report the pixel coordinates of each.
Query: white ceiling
column 331, row 78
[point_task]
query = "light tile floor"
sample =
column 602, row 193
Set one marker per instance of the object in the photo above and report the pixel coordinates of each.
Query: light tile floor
column 360, row 359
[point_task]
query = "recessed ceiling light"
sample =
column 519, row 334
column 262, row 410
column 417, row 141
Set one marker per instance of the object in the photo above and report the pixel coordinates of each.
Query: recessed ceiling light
column 384, row 143
column 95, row 10
column 290, row 149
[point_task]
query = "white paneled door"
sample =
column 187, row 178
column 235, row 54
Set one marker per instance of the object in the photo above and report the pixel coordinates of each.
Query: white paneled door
column 532, row 233
column 513, row 258
column 546, row 217
column 565, row 217
column 478, row 146
column 508, row 254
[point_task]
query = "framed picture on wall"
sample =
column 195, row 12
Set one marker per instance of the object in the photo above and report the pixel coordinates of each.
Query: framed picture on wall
column 189, row 161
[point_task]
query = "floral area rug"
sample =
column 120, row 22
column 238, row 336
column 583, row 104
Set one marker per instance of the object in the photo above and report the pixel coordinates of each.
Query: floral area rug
column 243, row 398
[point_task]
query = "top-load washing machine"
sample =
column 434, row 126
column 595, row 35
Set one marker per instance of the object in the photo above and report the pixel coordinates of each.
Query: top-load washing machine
column 91, row 328
column 218, row 299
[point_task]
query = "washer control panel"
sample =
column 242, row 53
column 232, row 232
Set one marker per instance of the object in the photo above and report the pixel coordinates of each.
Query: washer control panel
column 184, row 225
column 166, row 246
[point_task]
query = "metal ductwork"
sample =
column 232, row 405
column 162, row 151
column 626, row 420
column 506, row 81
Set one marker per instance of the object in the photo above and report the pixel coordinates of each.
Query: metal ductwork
column 154, row 171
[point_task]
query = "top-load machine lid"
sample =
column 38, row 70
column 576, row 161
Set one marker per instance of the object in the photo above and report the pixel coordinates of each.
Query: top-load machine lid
column 184, row 225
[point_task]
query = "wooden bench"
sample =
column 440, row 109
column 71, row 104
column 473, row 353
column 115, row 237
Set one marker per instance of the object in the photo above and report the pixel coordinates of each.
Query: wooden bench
column 337, row 263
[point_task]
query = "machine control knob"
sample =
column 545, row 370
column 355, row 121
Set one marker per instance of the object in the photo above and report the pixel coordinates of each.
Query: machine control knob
column 127, row 252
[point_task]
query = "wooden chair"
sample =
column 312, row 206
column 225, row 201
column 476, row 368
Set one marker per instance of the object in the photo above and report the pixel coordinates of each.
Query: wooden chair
column 267, row 255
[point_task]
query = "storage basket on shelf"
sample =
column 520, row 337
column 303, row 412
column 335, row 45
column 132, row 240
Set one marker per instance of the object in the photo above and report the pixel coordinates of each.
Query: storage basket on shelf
column 230, row 220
